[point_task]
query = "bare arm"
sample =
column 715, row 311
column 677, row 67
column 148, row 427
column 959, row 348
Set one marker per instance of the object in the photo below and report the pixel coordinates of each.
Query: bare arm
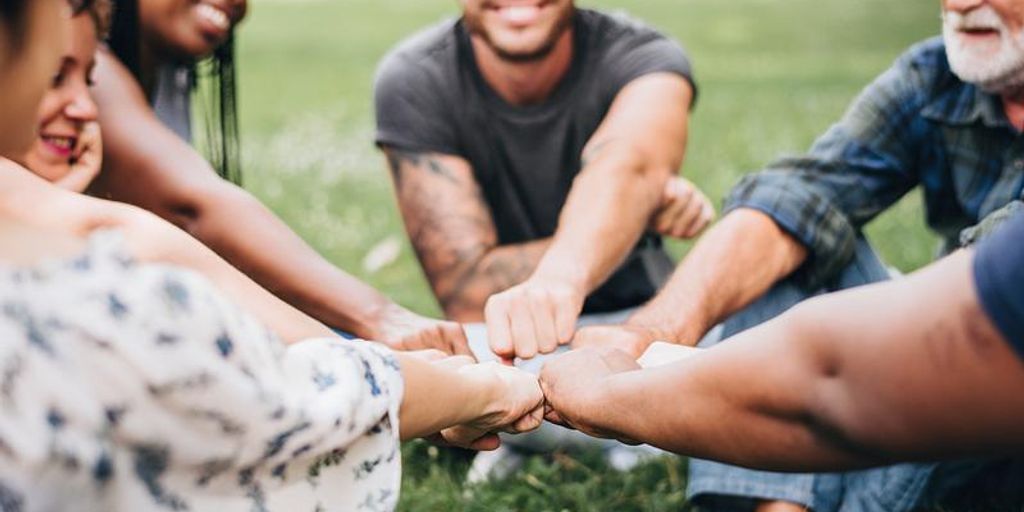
column 150, row 239
column 906, row 370
column 735, row 262
column 626, row 165
column 481, row 398
column 147, row 165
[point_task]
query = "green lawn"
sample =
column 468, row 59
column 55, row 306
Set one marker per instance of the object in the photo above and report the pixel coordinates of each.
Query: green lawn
column 773, row 75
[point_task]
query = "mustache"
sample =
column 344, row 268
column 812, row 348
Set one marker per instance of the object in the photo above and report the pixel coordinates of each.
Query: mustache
column 982, row 18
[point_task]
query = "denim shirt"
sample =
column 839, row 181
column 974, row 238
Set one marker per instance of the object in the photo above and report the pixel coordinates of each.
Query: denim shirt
column 915, row 125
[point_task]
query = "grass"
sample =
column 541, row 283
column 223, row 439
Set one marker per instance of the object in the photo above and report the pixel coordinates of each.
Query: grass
column 773, row 75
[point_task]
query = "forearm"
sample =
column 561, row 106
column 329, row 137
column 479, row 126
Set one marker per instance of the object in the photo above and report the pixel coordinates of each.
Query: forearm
column 437, row 397
column 730, row 406
column 608, row 209
column 736, row 262
column 464, row 294
column 874, row 375
column 153, row 240
column 266, row 249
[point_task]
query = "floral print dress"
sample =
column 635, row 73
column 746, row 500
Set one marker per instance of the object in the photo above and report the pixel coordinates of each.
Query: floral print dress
column 137, row 387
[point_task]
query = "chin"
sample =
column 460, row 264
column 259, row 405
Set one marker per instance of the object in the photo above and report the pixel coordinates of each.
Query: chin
column 47, row 170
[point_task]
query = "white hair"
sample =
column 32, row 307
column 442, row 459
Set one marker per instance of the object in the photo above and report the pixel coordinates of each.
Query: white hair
column 997, row 70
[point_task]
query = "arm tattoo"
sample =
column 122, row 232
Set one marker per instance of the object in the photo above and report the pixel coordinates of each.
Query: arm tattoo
column 593, row 149
column 452, row 230
column 398, row 158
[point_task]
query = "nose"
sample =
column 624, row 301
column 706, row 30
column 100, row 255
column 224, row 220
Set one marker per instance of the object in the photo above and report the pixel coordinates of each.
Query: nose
column 962, row 6
column 82, row 107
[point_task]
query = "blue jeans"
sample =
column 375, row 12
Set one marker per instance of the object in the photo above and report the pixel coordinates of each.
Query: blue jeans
column 899, row 488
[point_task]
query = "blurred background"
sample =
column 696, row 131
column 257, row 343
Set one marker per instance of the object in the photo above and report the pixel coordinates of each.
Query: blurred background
column 773, row 75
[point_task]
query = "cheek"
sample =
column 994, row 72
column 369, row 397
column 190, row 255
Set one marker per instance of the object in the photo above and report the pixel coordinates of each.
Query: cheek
column 49, row 110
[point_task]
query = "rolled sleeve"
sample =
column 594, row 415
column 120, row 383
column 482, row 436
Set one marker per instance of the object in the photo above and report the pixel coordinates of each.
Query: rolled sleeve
column 856, row 170
column 806, row 215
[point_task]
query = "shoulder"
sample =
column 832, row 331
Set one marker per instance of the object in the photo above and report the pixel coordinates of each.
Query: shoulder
column 617, row 32
column 428, row 54
column 923, row 71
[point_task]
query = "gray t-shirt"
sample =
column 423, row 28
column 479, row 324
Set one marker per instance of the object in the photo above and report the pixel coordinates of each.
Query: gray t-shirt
column 431, row 97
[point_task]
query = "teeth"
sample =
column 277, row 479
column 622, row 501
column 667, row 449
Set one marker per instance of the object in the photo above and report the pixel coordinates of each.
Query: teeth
column 214, row 16
column 60, row 142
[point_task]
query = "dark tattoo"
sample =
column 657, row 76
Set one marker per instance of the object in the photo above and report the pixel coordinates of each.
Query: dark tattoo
column 594, row 149
column 398, row 159
column 452, row 231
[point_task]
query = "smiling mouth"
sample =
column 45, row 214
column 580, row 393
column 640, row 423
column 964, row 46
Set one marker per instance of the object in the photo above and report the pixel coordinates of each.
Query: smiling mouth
column 62, row 146
column 519, row 14
column 214, row 16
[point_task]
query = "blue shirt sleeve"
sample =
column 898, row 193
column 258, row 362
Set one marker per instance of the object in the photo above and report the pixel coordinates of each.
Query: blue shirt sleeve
column 999, row 279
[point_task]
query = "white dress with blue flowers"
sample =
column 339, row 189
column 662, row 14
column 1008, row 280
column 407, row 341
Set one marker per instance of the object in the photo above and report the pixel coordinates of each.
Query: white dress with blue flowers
column 131, row 387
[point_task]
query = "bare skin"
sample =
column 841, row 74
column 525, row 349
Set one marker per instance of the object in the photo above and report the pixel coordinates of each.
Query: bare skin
column 149, row 237
column 147, row 165
column 829, row 401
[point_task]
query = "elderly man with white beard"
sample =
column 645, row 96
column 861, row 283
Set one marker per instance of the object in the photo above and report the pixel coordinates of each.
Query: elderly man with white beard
column 947, row 117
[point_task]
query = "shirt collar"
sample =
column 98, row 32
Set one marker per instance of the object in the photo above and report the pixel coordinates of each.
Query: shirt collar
column 965, row 104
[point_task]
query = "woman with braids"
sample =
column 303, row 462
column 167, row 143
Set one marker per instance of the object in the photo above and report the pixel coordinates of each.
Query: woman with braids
column 159, row 51
column 133, row 387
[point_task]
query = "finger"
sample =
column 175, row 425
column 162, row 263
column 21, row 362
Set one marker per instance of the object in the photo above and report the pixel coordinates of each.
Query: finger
column 457, row 340
column 565, row 321
column 499, row 335
column 673, row 213
column 543, row 325
column 707, row 215
column 486, row 443
column 688, row 219
column 522, row 329
column 530, row 422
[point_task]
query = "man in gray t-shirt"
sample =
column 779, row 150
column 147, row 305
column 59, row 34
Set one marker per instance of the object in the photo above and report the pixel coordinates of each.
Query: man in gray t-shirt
column 532, row 147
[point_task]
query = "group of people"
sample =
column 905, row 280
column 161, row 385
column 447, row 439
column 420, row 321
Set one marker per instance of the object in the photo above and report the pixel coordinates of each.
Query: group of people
column 156, row 353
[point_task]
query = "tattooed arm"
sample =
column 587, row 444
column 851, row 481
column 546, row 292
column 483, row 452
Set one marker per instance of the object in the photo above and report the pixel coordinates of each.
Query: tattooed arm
column 453, row 233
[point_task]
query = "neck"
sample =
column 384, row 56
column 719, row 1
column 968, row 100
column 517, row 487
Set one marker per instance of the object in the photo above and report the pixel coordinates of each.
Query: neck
column 1013, row 106
column 149, row 62
column 524, row 83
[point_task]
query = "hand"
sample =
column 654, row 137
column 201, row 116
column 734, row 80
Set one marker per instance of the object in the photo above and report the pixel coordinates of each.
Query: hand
column 632, row 340
column 572, row 385
column 532, row 317
column 86, row 161
column 403, row 330
column 684, row 211
column 516, row 404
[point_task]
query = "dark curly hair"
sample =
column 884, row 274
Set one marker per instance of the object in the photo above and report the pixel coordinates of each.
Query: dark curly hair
column 214, row 80
column 99, row 10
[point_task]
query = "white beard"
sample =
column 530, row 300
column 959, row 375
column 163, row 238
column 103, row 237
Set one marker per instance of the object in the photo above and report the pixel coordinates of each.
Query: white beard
column 996, row 72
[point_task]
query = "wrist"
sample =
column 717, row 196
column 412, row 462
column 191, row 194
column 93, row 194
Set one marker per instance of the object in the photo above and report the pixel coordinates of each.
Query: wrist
column 570, row 276
column 685, row 326
column 371, row 322
column 485, row 391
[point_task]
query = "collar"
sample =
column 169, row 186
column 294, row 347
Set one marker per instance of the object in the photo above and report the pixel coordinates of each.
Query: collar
column 964, row 104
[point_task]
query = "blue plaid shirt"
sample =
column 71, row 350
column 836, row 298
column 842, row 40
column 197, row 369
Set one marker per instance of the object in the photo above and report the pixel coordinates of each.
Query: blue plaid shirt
column 916, row 125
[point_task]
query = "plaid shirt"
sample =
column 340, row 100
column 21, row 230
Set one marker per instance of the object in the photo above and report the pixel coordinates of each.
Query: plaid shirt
column 916, row 125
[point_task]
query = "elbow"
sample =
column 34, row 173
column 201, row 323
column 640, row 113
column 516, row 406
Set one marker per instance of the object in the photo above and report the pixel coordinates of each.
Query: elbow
column 196, row 212
column 831, row 410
